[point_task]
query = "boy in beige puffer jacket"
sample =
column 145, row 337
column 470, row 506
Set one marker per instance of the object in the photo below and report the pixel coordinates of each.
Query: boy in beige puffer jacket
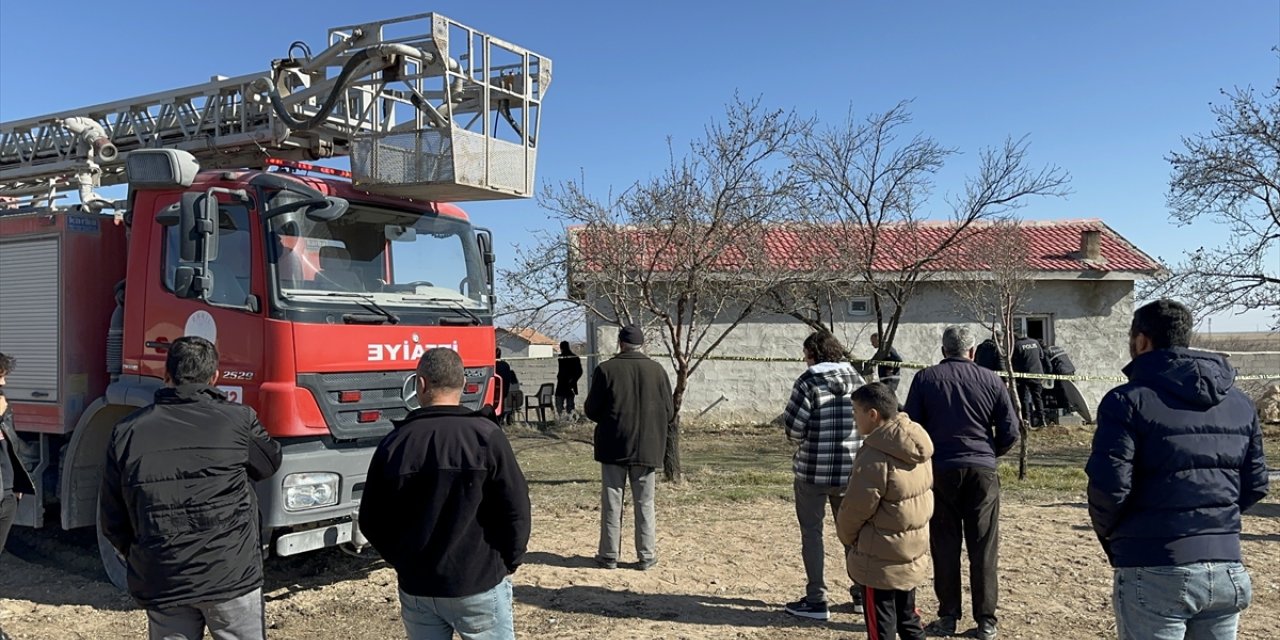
column 884, row 518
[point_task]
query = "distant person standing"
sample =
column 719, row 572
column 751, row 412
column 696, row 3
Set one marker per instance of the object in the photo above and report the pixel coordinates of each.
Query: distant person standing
column 568, row 372
column 446, row 504
column 1177, row 457
column 1058, row 363
column 510, row 382
column 969, row 415
column 890, row 375
column 178, row 503
column 819, row 420
column 990, row 354
column 1028, row 357
column 630, row 402
column 14, row 479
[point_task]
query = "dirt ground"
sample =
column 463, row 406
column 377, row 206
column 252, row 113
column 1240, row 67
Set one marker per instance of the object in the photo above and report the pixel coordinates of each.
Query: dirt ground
column 726, row 567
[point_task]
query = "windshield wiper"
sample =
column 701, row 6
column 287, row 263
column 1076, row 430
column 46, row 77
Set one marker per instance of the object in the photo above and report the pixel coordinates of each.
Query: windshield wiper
column 364, row 298
column 458, row 306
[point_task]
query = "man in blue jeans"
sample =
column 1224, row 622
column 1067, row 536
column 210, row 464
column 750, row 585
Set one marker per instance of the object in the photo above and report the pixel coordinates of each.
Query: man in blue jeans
column 1177, row 457
column 446, row 504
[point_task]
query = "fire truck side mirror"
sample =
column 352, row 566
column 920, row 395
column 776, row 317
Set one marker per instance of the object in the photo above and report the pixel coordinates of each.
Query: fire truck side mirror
column 198, row 227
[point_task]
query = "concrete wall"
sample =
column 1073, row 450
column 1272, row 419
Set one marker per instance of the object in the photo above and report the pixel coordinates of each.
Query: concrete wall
column 1089, row 317
column 514, row 347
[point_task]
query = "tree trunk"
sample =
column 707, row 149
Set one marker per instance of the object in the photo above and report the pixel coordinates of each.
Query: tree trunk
column 1012, row 384
column 1023, row 432
column 671, row 470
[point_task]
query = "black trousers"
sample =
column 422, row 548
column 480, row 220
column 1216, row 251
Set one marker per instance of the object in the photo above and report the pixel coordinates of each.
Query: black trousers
column 1031, row 394
column 966, row 507
column 8, row 510
column 891, row 612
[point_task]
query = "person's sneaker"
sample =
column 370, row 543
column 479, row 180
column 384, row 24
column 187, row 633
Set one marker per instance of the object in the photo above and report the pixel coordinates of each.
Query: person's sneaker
column 813, row 610
column 944, row 626
column 645, row 565
column 856, row 595
column 605, row 563
column 986, row 630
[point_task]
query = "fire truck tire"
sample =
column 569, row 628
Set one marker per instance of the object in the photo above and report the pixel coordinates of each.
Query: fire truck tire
column 112, row 561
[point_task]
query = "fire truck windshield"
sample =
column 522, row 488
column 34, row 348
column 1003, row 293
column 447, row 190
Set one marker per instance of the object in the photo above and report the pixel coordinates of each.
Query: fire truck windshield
column 394, row 258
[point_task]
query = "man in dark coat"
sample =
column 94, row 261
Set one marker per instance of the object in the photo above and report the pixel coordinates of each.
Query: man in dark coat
column 989, row 354
column 969, row 415
column 447, row 506
column 630, row 402
column 1028, row 358
column 510, row 382
column 14, row 479
column 568, row 372
column 888, row 374
column 177, row 502
column 1177, row 457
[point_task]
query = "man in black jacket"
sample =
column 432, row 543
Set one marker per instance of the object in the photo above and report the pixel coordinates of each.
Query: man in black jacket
column 990, row 354
column 178, row 503
column 14, row 479
column 969, row 415
column 888, row 374
column 1177, row 457
column 510, row 381
column 446, row 504
column 630, row 402
column 1027, row 358
column 568, row 372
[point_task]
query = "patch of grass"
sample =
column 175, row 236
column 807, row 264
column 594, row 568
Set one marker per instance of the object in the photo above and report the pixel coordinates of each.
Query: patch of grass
column 1042, row 480
column 750, row 463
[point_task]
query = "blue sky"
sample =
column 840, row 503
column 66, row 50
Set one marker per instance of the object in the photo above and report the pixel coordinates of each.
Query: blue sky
column 1103, row 89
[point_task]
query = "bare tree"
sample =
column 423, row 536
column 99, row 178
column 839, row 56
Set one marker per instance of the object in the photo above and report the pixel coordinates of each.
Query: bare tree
column 994, row 293
column 871, row 186
column 1230, row 176
column 682, row 253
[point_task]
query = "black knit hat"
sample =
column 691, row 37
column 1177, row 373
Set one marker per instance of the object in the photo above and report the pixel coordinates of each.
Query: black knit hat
column 631, row 334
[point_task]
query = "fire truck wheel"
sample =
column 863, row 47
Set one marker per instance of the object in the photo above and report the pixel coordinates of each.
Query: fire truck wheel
column 112, row 561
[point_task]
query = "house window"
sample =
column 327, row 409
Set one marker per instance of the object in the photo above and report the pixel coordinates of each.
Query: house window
column 860, row 306
column 1039, row 327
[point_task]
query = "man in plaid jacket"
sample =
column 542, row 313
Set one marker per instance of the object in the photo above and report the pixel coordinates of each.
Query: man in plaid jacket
column 819, row 419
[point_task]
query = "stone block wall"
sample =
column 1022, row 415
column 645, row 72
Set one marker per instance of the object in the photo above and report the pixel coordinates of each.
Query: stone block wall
column 1090, row 318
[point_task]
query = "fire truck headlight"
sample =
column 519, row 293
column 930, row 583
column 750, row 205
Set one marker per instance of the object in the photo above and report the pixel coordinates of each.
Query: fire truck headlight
column 310, row 490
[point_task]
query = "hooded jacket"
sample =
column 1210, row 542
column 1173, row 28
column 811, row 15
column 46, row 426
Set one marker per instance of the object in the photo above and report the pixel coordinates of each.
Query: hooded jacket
column 885, row 515
column 819, row 417
column 1177, row 456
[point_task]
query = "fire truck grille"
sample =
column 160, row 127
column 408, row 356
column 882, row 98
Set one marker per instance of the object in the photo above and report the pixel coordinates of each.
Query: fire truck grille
column 375, row 399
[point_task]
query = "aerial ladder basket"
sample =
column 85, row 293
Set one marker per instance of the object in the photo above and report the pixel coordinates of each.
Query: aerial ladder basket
column 475, row 133
column 423, row 107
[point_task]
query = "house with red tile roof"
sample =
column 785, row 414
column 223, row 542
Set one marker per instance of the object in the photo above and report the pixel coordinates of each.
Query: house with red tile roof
column 524, row 342
column 1082, row 299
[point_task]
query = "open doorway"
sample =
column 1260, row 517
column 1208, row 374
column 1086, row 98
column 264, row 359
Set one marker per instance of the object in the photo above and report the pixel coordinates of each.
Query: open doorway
column 1039, row 327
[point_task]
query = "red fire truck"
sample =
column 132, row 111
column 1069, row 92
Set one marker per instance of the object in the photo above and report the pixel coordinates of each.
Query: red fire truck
column 320, row 287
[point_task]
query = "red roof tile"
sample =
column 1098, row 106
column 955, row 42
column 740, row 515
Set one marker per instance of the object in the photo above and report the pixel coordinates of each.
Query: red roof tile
column 1051, row 247
column 529, row 335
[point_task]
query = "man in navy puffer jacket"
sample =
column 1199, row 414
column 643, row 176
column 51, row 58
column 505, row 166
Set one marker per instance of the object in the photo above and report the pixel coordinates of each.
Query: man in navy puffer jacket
column 1177, row 457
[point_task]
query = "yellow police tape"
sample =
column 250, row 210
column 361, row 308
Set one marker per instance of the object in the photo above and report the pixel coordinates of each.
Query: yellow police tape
column 907, row 365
